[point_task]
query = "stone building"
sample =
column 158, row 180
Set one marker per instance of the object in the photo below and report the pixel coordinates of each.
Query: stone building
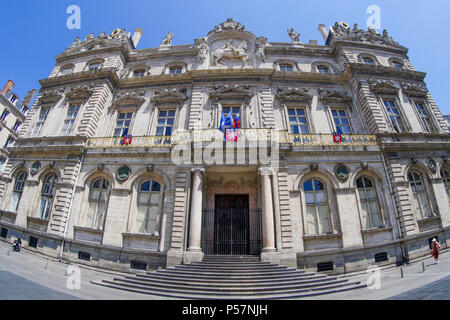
column 113, row 164
column 13, row 113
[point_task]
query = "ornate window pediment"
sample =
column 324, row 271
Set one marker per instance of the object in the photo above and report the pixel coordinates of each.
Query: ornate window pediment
column 169, row 96
column 333, row 96
column 293, row 95
column 412, row 90
column 79, row 93
column 50, row 97
column 129, row 98
column 380, row 87
column 227, row 92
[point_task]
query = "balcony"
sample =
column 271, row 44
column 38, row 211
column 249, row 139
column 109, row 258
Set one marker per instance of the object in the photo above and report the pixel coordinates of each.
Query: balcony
column 251, row 135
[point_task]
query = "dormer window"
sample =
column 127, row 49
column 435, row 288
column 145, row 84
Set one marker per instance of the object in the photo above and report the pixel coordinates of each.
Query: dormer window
column 397, row 64
column 138, row 73
column 94, row 66
column 368, row 60
column 323, row 69
column 175, row 70
column 66, row 70
column 286, row 67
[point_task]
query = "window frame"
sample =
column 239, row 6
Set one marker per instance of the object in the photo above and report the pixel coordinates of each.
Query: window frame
column 306, row 116
column 101, row 191
column 429, row 127
column 48, row 197
column 338, row 108
column 17, row 192
column 40, row 123
column 305, row 205
column 420, row 215
column 446, row 178
column 130, row 126
column 65, row 130
column 401, row 115
column 4, row 115
column 367, row 200
column 165, row 126
column 148, row 204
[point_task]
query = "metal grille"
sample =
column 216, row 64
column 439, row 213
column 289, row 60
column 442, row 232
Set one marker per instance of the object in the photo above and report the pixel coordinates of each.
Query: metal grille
column 138, row 265
column 382, row 256
column 231, row 231
column 84, row 255
column 33, row 242
column 325, row 266
column 4, row 233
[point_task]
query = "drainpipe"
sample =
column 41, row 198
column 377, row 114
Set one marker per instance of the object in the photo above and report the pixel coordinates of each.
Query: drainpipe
column 70, row 208
column 402, row 244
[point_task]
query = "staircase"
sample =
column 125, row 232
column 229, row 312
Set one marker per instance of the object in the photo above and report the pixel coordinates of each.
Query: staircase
column 231, row 277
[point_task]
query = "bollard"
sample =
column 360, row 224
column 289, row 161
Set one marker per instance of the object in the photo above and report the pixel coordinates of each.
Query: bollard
column 9, row 251
column 423, row 266
column 46, row 265
column 401, row 273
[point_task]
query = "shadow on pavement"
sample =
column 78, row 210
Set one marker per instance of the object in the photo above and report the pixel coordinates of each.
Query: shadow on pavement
column 438, row 290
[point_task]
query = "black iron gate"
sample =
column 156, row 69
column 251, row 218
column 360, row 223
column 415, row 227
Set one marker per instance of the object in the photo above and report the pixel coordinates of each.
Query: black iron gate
column 231, row 231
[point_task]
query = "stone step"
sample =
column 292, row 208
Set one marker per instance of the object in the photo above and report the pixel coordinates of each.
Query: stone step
column 230, row 268
column 227, row 274
column 229, row 283
column 276, row 277
column 241, row 296
column 232, row 289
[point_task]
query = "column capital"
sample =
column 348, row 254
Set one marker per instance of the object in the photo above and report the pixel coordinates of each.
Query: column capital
column 266, row 171
column 198, row 169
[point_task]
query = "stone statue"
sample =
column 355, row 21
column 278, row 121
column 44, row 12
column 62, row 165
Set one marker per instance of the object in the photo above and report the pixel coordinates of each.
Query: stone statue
column 103, row 35
column 231, row 51
column 203, row 52
column 167, row 41
column 259, row 49
column 294, row 35
column 75, row 43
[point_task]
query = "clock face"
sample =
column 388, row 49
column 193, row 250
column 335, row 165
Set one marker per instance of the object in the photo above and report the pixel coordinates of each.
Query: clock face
column 342, row 172
column 123, row 173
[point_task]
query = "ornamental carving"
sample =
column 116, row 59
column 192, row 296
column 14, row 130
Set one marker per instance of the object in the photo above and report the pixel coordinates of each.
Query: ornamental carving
column 293, row 94
column 167, row 41
column 230, row 24
column 342, row 31
column 380, row 86
column 169, row 96
column 295, row 36
column 129, row 98
column 231, row 92
column 333, row 95
column 80, row 92
column 231, row 50
column 52, row 96
column 260, row 45
column 414, row 90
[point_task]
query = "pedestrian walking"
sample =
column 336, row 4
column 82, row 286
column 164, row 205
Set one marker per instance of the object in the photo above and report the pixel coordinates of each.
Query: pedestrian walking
column 435, row 252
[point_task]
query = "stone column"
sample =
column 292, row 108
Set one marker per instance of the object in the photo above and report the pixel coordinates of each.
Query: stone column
column 268, row 225
column 194, row 252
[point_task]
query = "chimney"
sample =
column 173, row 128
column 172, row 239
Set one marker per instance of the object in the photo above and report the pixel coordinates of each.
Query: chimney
column 137, row 36
column 27, row 100
column 323, row 31
column 9, row 86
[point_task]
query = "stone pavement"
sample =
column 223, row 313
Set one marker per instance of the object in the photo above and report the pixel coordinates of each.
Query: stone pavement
column 24, row 275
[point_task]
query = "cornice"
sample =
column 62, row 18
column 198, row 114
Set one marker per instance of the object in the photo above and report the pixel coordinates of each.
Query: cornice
column 406, row 74
column 109, row 73
column 12, row 108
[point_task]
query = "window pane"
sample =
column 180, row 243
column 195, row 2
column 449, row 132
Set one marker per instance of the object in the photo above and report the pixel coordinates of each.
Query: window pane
column 14, row 202
column 365, row 215
column 307, row 186
column 324, row 219
column 311, row 220
column 145, row 186
column 141, row 215
column 143, row 197
column 318, row 185
column 309, row 197
column 373, row 205
column 320, row 197
column 156, row 186
column 424, row 205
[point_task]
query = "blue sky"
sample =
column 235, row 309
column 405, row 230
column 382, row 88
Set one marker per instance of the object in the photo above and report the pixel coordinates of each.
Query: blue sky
column 34, row 32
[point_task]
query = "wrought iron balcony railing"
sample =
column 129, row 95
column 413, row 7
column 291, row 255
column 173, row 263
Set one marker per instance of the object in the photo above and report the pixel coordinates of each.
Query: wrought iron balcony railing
column 210, row 135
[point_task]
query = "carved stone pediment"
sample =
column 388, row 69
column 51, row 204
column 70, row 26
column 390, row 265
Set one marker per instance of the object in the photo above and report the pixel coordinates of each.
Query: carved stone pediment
column 293, row 94
column 412, row 90
column 333, row 95
column 129, row 98
column 51, row 97
column 231, row 92
column 80, row 93
column 169, row 96
column 379, row 86
column 229, row 25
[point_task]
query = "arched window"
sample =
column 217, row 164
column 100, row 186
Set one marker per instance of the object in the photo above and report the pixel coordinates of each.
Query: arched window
column 286, row 67
column 17, row 191
column 397, row 64
column 370, row 211
column 98, row 199
column 48, row 189
column 445, row 173
column 368, row 60
column 420, row 201
column 317, row 213
column 323, row 69
column 176, row 69
column 148, row 204
column 138, row 73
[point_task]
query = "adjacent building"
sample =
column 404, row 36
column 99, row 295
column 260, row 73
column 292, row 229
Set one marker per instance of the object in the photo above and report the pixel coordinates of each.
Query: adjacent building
column 340, row 160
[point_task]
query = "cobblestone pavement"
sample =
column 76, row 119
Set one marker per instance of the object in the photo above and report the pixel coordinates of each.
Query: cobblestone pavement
column 24, row 275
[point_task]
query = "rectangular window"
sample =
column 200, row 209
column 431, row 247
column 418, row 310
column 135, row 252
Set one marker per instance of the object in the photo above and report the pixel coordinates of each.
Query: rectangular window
column 165, row 123
column 175, row 70
column 235, row 111
column 70, row 120
column 39, row 124
column 17, row 125
column 94, row 66
column 286, row 67
column 4, row 115
column 123, row 124
column 394, row 115
column 138, row 73
column 341, row 122
column 9, row 142
column 33, row 242
column 423, row 114
column 297, row 121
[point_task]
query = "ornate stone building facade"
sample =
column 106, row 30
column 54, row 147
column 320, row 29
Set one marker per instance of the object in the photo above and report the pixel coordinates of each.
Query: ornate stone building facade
column 101, row 185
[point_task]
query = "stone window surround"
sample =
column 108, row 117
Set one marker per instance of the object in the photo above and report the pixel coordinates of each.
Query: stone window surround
column 368, row 55
column 82, row 214
column 115, row 116
column 279, row 62
column 132, row 214
column 77, row 119
column 101, row 61
column 429, row 194
column 397, row 60
column 151, row 131
column 381, row 200
column 330, row 106
column 385, row 96
column 68, row 66
column 145, row 68
column 44, row 175
column 20, row 190
column 182, row 64
column 298, row 105
column 316, row 64
column 413, row 102
column 332, row 206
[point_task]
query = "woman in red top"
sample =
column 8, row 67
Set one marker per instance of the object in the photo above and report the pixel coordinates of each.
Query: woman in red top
column 436, row 248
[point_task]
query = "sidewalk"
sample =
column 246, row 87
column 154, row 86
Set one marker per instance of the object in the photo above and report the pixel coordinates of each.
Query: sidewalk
column 24, row 275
